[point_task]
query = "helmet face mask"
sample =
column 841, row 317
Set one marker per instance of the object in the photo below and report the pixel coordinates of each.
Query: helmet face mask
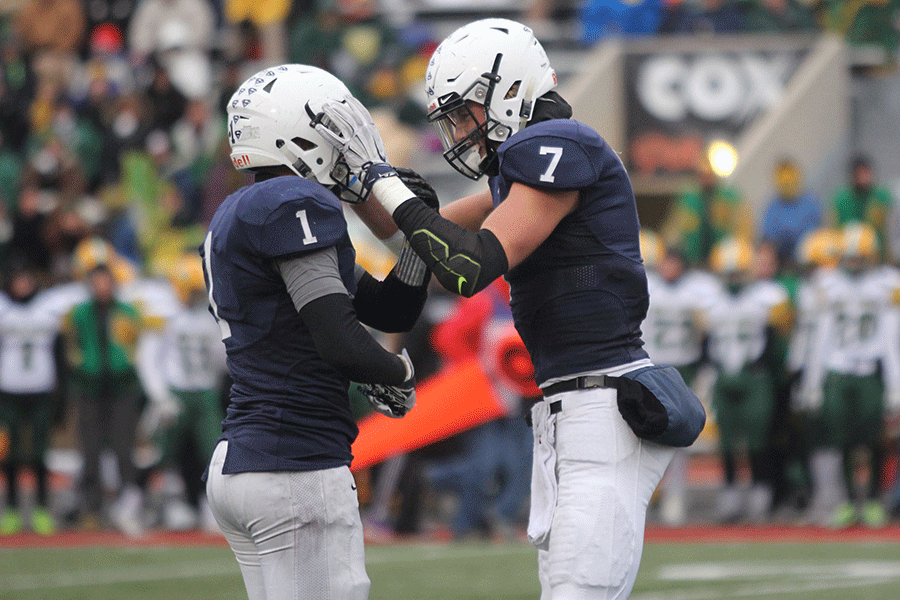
column 497, row 64
column 271, row 123
column 470, row 154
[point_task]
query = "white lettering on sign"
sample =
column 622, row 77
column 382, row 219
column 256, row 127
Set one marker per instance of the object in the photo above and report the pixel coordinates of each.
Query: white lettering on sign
column 711, row 87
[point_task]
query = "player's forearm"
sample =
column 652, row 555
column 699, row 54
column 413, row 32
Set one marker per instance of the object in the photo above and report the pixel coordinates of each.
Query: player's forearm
column 376, row 218
column 464, row 262
column 469, row 212
column 345, row 344
column 392, row 305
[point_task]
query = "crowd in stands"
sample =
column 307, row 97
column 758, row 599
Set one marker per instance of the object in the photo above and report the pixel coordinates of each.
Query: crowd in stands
column 114, row 156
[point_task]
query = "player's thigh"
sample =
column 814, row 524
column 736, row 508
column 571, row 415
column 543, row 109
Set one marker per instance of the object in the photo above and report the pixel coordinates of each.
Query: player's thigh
column 315, row 549
column 42, row 414
column 12, row 416
column 727, row 404
column 869, row 409
column 208, row 422
column 606, row 477
column 220, row 494
column 836, row 410
column 758, row 409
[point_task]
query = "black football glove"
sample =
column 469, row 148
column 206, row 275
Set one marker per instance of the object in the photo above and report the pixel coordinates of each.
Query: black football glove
column 393, row 401
column 418, row 186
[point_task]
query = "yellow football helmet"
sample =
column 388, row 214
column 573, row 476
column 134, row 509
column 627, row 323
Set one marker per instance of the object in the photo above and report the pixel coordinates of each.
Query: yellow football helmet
column 820, row 247
column 731, row 255
column 187, row 277
column 95, row 251
column 859, row 240
column 652, row 248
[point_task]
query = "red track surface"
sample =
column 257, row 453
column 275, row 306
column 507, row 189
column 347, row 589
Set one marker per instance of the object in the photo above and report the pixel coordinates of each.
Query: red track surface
column 655, row 534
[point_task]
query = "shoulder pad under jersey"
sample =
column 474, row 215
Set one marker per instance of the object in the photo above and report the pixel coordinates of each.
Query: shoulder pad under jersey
column 559, row 154
column 290, row 215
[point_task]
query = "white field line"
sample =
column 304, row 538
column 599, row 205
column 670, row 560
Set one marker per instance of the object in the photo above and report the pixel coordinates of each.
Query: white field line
column 720, row 571
column 764, row 590
column 195, row 570
column 812, row 578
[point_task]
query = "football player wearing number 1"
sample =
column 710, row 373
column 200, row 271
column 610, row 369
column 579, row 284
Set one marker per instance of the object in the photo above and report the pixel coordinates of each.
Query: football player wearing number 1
column 289, row 299
column 560, row 223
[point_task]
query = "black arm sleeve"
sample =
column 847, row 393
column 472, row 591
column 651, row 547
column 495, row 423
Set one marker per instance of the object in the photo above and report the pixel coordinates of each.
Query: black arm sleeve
column 464, row 262
column 390, row 305
column 346, row 345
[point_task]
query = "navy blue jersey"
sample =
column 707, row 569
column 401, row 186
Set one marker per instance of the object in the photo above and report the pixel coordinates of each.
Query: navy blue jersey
column 289, row 409
column 579, row 299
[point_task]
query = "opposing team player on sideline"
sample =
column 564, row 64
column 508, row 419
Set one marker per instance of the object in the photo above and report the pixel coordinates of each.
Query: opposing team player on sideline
column 286, row 293
column 32, row 388
column 193, row 363
column 560, row 223
column 674, row 332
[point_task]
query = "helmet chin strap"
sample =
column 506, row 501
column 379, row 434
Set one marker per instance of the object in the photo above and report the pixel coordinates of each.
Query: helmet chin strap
column 525, row 112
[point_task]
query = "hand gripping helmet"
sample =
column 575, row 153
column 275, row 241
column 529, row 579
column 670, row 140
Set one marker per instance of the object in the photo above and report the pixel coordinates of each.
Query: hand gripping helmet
column 270, row 123
column 498, row 64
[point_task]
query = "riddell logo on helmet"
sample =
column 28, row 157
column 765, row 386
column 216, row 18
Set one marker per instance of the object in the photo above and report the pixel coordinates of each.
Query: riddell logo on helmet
column 241, row 161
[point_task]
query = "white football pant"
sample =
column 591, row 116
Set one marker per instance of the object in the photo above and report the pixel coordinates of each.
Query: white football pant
column 296, row 535
column 591, row 483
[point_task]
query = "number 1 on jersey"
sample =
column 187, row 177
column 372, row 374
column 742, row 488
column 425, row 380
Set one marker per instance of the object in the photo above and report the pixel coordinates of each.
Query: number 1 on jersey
column 308, row 237
column 556, row 151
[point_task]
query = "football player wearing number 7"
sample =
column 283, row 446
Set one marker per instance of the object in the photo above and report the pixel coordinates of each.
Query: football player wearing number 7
column 290, row 303
column 559, row 221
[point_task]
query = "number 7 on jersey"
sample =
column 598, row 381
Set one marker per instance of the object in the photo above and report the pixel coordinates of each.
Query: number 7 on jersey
column 556, row 154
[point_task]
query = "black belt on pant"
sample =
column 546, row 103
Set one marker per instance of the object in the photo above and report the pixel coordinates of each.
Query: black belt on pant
column 584, row 382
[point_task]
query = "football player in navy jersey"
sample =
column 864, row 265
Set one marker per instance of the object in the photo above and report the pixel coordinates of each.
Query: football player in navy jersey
column 560, row 222
column 289, row 300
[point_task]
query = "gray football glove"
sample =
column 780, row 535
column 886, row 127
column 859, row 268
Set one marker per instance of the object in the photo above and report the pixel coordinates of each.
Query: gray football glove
column 393, row 401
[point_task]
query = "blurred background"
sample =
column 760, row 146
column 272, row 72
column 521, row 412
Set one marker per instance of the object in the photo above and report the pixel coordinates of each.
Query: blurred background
column 113, row 152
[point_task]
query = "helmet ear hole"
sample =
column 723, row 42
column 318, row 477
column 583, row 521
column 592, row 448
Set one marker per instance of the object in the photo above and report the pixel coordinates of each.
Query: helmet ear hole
column 305, row 144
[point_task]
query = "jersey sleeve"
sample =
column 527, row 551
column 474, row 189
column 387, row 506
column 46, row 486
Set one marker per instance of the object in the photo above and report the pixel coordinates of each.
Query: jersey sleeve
column 555, row 156
column 311, row 222
column 312, row 276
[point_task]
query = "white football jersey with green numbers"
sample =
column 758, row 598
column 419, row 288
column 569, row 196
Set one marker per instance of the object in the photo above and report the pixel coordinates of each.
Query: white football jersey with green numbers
column 27, row 335
column 673, row 329
column 193, row 354
column 809, row 303
column 737, row 323
column 858, row 328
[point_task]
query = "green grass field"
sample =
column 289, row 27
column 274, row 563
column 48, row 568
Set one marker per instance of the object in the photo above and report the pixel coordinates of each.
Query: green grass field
column 669, row 571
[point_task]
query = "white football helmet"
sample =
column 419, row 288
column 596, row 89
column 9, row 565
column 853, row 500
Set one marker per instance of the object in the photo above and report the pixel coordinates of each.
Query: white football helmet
column 496, row 63
column 271, row 122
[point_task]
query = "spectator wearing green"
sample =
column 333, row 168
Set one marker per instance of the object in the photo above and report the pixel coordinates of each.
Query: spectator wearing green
column 863, row 23
column 101, row 336
column 863, row 200
column 779, row 15
column 705, row 214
